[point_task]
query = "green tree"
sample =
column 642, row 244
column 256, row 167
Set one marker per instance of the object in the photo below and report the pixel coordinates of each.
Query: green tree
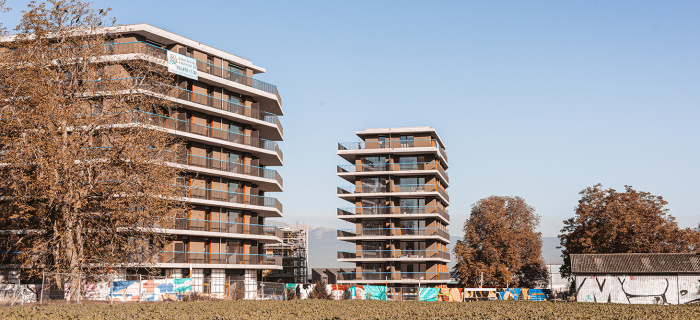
column 500, row 241
column 608, row 221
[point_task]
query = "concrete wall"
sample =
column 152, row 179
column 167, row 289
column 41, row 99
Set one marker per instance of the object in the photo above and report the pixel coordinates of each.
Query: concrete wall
column 638, row 289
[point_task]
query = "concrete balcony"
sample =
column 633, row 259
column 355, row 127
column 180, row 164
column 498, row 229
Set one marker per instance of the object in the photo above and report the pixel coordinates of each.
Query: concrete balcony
column 400, row 212
column 268, row 151
column 394, row 255
column 352, row 172
column 265, row 206
column 349, row 150
column 350, row 193
column 179, row 259
column 230, row 78
column 353, row 235
column 223, row 229
column 266, row 179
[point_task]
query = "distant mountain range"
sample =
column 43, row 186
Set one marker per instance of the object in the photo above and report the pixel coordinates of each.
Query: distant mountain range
column 324, row 245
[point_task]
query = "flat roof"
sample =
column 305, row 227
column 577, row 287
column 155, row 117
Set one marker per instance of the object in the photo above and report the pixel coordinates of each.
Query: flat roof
column 400, row 130
column 166, row 37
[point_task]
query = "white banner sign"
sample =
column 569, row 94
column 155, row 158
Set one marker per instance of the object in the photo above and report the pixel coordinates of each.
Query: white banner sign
column 182, row 65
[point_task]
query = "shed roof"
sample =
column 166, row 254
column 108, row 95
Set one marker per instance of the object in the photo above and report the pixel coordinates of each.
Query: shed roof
column 636, row 263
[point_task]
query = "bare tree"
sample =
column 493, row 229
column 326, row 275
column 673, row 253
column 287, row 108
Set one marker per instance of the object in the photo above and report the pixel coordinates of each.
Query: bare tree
column 86, row 177
column 3, row 8
column 608, row 221
column 500, row 241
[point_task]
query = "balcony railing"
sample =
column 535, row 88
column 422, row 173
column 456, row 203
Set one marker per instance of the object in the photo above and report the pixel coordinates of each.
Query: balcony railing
column 225, row 227
column 416, row 143
column 207, row 131
column 202, row 99
column 393, row 210
column 393, row 254
column 219, row 258
column 231, row 167
column 393, row 232
column 393, row 167
column 425, row 276
column 160, row 53
column 428, row 187
column 233, row 197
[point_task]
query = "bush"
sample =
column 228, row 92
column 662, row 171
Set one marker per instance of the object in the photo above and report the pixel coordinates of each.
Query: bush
column 196, row 296
column 319, row 291
column 291, row 294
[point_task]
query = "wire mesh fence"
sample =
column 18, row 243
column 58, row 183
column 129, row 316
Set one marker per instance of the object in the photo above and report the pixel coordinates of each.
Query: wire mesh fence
column 77, row 288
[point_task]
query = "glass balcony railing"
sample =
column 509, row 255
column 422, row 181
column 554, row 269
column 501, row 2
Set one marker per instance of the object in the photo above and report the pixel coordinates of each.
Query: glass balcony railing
column 233, row 197
column 160, row 53
column 370, row 275
column 380, row 188
column 393, row 167
column 225, row 227
column 231, row 167
column 389, row 232
column 394, row 254
column 218, row 258
column 416, row 143
column 348, row 211
column 206, row 131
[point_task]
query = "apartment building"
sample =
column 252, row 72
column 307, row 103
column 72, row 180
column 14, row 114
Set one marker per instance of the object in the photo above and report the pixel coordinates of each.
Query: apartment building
column 230, row 122
column 398, row 207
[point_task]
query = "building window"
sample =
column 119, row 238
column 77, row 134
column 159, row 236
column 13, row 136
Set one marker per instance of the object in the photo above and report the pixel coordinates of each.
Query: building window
column 382, row 141
column 406, row 141
column 408, row 163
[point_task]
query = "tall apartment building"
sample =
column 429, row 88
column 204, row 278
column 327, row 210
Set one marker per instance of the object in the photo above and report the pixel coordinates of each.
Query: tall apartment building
column 229, row 122
column 398, row 207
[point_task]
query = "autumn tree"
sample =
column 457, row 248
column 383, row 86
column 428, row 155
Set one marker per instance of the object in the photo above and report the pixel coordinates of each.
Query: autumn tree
column 3, row 8
column 501, row 242
column 608, row 221
column 87, row 179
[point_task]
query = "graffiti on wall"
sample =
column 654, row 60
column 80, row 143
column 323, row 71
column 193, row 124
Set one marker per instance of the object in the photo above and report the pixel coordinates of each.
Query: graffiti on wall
column 479, row 294
column 150, row 290
column 643, row 289
column 18, row 293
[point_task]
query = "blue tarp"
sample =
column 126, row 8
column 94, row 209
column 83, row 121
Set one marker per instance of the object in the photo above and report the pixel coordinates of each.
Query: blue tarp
column 537, row 295
column 508, row 294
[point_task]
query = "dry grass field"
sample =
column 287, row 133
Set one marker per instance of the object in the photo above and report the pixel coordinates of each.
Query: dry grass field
column 352, row 309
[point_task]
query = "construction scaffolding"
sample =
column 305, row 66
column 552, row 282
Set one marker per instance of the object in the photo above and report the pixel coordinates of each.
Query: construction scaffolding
column 294, row 253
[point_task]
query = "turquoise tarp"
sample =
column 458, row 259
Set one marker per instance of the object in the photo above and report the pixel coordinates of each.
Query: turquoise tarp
column 375, row 292
column 291, row 286
column 428, row 294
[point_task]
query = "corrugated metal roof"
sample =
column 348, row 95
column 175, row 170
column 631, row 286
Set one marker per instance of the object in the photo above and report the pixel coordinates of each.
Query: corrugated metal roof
column 636, row 263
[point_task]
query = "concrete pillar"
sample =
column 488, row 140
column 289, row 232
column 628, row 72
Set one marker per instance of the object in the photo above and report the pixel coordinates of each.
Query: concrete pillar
column 250, row 282
column 197, row 280
column 218, row 279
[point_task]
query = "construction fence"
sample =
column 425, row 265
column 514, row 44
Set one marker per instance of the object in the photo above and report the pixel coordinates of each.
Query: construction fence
column 78, row 288
column 368, row 292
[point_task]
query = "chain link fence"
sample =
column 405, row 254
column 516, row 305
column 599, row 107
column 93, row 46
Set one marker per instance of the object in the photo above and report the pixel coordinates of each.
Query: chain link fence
column 77, row 288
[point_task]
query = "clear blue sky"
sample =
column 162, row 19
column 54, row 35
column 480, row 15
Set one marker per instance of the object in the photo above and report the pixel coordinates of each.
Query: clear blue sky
column 538, row 99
